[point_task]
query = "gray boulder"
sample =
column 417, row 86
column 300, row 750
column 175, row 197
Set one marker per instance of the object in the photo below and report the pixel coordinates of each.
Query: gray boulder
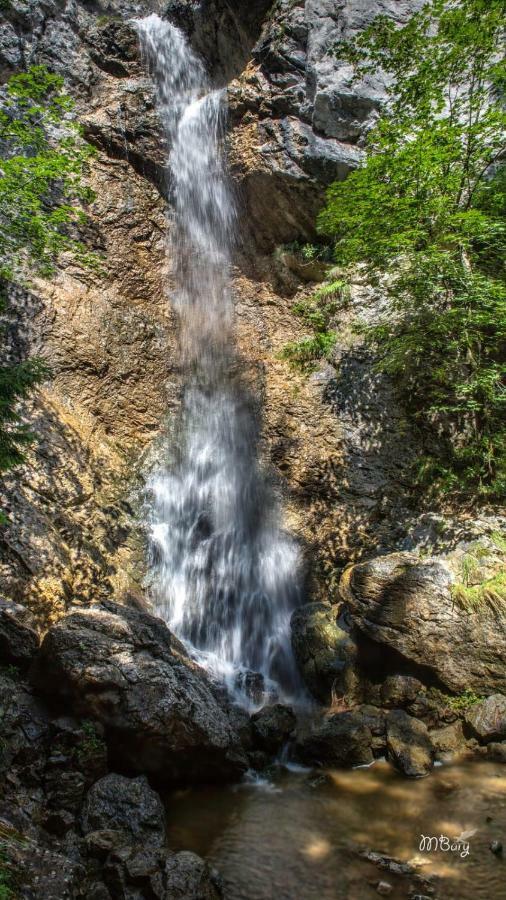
column 322, row 649
column 19, row 641
column 409, row 746
column 404, row 604
column 487, row 719
column 128, row 806
column 342, row 739
column 124, row 669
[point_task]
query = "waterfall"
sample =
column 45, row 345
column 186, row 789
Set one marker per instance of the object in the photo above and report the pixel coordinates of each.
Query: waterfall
column 224, row 573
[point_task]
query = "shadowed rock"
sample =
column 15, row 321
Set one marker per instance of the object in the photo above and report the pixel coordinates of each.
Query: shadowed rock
column 341, row 740
column 124, row 669
column 272, row 726
column 126, row 805
column 19, row 641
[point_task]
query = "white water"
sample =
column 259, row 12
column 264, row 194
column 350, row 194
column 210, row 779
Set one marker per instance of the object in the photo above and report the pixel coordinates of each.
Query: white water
column 225, row 575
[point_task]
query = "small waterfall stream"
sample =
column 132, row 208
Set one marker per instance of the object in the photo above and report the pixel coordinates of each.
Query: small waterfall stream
column 225, row 574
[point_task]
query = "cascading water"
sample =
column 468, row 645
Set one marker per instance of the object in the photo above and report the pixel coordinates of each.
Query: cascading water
column 225, row 575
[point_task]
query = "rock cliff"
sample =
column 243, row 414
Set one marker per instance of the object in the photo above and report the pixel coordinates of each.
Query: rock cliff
column 336, row 440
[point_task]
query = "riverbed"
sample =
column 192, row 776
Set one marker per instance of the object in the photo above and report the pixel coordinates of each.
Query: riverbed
column 297, row 834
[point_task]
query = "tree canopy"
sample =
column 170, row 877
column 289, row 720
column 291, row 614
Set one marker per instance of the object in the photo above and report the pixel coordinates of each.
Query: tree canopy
column 43, row 158
column 425, row 218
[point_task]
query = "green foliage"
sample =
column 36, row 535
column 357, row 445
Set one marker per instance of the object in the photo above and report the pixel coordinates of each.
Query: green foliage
column 463, row 701
column 90, row 745
column 310, row 252
column 317, row 312
column 426, row 210
column 7, row 877
column 304, row 353
column 41, row 197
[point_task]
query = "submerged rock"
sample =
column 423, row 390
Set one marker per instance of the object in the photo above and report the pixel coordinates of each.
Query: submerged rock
column 341, row 739
column 409, row 746
column 497, row 751
column 487, row 719
column 124, row 669
column 404, row 604
column 19, row 641
column 322, row 649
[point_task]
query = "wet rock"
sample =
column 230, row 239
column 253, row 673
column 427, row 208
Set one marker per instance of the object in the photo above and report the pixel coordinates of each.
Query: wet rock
column 124, row 669
column 400, row 690
column 496, row 848
column 487, row 719
column 127, row 805
column 448, row 739
column 341, row 739
column 240, row 721
column 497, row 751
column 252, row 684
column 404, row 604
column 409, row 746
column 272, row 726
column 322, row 649
column 19, row 641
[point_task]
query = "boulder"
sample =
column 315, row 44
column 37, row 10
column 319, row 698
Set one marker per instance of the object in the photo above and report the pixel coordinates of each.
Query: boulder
column 448, row 739
column 187, row 877
column 142, row 872
column 375, row 719
column 272, row 726
column 342, row 739
column 19, row 641
column 404, row 604
column 409, row 746
column 400, row 690
column 128, row 806
column 124, row 669
column 487, row 719
column 322, row 649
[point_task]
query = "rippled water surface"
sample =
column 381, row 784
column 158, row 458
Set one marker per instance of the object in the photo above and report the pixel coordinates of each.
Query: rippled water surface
column 291, row 839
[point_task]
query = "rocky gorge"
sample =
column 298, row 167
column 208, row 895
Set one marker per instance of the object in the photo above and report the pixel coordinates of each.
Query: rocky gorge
column 103, row 708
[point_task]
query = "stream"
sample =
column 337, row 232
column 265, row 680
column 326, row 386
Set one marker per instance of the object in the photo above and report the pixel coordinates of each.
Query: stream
column 291, row 836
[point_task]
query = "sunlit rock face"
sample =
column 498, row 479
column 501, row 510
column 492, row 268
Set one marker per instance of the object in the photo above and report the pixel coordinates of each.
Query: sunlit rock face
column 337, row 440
